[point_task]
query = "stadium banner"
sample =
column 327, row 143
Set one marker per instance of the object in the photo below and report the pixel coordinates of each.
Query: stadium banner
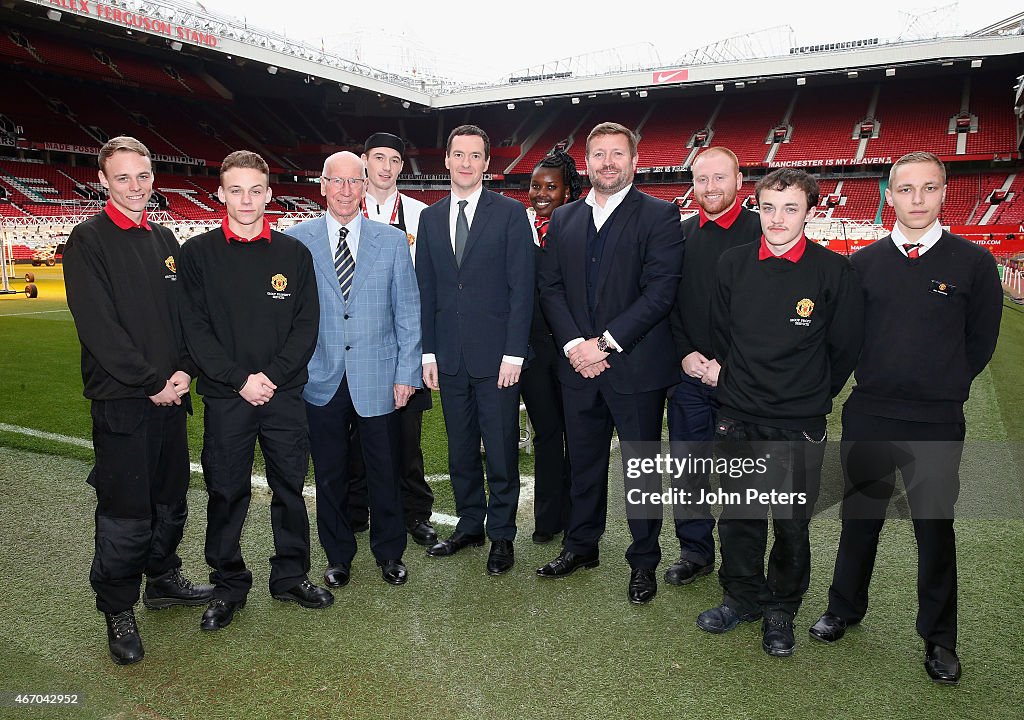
column 68, row 148
column 136, row 21
column 832, row 162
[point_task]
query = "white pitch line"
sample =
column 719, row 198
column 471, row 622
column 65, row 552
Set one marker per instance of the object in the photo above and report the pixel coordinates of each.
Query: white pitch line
column 31, row 312
column 260, row 481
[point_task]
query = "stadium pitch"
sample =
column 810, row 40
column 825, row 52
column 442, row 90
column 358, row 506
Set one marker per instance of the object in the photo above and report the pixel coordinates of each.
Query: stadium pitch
column 454, row 643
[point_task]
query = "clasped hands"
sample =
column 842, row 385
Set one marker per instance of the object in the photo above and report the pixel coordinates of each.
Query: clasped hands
column 697, row 366
column 587, row 360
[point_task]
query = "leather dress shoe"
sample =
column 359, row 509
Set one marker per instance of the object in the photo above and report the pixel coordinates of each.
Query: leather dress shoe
column 684, row 572
column 423, row 533
column 567, row 563
column 123, row 637
column 336, row 576
column 542, row 538
column 778, row 638
column 456, row 542
column 219, row 614
column 172, row 588
column 643, row 586
column 501, row 558
column 393, row 571
column 723, row 618
column 307, row 595
column 941, row 664
column 830, row 628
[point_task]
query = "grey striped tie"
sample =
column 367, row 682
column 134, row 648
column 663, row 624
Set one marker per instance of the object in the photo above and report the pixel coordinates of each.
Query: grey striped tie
column 344, row 263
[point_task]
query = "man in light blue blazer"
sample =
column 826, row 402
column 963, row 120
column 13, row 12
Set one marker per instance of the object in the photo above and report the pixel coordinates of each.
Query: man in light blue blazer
column 366, row 365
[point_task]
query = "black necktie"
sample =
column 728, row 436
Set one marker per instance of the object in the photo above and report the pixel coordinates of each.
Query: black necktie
column 461, row 232
column 344, row 263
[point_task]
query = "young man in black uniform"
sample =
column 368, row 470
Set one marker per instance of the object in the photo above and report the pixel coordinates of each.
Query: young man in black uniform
column 137, row 373
column 721, row 223
column 787, row 325
column 251, row 317
column 933, row 303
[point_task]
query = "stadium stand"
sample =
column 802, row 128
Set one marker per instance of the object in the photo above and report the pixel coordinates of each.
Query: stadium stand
column 63, row 97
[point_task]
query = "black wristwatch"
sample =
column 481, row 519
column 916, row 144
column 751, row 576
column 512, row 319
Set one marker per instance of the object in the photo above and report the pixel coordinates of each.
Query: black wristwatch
column 602, row 343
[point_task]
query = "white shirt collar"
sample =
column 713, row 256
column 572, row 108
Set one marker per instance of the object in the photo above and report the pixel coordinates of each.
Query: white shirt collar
column 927, row 240
column 474, row 198
column 381, row 208
column 354, row 226
column 602, row 213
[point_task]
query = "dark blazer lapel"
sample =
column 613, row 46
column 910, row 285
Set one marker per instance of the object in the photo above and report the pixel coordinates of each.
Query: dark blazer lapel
column 575, row 234
column 622, row 218
column 322, row 250
column 369, row 249
column 444, row 225
column 480, row 218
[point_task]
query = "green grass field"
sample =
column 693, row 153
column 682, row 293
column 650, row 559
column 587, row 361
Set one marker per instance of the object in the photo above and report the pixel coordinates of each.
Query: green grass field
column 454, row 643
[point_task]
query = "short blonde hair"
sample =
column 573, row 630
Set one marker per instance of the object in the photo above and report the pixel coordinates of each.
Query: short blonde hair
column 919, row 156
column 121, row 143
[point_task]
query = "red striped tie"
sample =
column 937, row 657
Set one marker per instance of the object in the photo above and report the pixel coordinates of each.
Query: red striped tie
column 912, row 249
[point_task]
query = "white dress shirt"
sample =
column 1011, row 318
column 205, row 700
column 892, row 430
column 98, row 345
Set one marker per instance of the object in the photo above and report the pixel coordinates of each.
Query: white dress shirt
column 354, row 225
column 927, row 240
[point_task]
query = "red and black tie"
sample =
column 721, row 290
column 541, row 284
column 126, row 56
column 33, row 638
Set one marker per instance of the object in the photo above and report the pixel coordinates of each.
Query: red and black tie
column 913, row 250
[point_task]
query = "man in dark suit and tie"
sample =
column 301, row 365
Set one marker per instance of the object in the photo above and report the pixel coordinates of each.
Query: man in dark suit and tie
column 608, row 279
column 366, row 365
column 475, row 266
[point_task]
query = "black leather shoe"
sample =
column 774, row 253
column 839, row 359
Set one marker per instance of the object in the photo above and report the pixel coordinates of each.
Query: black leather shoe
column 423, row 533
column 643, row 586
column 542, row 538
column 123, row 637
column 942, row 664
column 219, row 614
column 723, row 618
column 307, row 595
column 778, row 638
column 393, row 571
column 336, row 576
column 684, row 572
column 456, row 542
column 501, row 558
column 567, row 563
column 172, row 588
column 830, row 628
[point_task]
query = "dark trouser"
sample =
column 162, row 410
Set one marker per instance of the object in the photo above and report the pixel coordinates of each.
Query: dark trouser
column 691, row 418
column 928, row 458
column 794, row 465
column 542, row 394
column 417, row 497
column 476, row 408
column 590, row 414
column 141, row 477
column 232, row 427
column 329, row 434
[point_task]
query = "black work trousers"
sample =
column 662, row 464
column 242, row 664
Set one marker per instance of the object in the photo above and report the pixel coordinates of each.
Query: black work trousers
column 794, row 460
column 232, row 428
column 141, row 477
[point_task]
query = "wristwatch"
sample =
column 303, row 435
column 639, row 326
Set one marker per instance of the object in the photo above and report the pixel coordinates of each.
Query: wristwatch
column 602, row 343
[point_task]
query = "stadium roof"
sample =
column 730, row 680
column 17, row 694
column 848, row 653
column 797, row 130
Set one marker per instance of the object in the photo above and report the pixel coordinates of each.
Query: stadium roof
column 189, row 26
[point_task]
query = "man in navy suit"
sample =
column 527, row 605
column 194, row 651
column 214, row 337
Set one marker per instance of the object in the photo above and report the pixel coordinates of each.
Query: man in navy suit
column 608, row 279
column 366, row 365
column 475, row 267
